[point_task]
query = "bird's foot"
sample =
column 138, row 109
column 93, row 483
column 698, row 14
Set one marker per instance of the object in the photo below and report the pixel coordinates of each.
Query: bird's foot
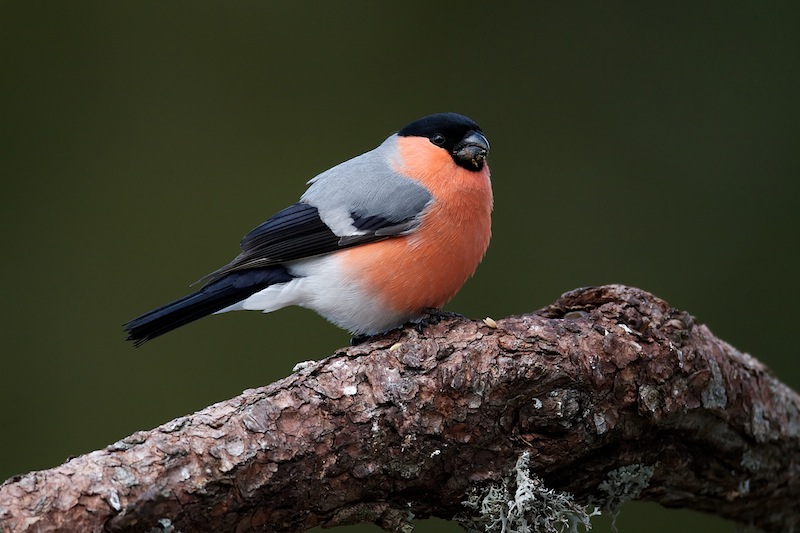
column 359, row 339
column 430, row 316
column 434, row 316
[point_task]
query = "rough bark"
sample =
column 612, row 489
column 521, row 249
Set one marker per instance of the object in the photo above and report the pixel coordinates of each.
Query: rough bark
column 411, row 421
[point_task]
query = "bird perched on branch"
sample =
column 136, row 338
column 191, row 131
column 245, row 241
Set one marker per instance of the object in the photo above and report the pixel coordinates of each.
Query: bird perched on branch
column 372, row 243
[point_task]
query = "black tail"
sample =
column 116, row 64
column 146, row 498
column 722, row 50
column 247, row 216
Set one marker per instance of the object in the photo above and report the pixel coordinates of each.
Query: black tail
column 217, row 295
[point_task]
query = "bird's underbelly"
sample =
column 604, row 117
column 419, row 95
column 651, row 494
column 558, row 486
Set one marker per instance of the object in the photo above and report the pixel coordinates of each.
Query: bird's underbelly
column 325, row 285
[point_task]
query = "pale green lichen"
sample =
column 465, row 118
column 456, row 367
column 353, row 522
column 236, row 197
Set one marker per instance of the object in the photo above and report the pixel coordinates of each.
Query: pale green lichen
column 522, row 504
column 623, row 484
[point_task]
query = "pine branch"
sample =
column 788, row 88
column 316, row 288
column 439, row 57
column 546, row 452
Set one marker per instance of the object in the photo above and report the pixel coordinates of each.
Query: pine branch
column 611, row 393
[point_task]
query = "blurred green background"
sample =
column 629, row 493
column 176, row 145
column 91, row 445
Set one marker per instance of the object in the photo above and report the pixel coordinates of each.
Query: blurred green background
column 650, row 144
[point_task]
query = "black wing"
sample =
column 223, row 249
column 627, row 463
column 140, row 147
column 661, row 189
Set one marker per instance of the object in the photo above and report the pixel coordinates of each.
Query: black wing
column 298, row 232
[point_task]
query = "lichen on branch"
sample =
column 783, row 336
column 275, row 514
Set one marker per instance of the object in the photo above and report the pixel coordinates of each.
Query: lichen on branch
column 520, row 503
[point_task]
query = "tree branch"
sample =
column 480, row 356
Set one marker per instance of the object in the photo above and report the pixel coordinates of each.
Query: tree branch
column 411, row 422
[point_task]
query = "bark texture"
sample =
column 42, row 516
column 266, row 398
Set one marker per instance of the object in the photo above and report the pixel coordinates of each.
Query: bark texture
column 412, row 421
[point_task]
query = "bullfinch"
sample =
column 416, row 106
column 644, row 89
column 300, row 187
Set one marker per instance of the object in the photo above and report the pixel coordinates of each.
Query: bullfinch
column 373, row 243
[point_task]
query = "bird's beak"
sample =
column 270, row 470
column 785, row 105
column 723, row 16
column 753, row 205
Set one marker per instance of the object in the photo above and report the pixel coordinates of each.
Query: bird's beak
column 472, row 150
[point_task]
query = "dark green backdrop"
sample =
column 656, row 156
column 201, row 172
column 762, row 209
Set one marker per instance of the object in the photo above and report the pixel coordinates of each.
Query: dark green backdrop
column 651, row 144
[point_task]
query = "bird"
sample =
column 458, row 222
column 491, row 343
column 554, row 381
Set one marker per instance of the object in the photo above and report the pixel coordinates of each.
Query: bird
column 374, row 243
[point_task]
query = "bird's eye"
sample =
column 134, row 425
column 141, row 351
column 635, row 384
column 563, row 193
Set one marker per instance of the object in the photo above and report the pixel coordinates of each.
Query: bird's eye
column 438, row 139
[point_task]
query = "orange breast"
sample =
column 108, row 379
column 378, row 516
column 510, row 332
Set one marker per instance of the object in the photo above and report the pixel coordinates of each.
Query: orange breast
column 428, row 267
